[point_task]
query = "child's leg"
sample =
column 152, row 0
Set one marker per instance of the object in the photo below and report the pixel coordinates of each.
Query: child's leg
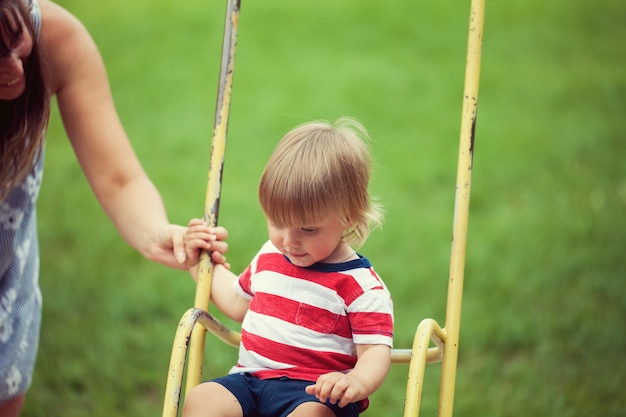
column 211, row 399
column 312, row 409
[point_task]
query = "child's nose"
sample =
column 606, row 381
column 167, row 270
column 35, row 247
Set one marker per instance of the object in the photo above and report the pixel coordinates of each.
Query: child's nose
column 290, row 239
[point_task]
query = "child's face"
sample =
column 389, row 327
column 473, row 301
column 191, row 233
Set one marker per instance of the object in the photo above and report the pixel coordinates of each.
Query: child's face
column 305, row 245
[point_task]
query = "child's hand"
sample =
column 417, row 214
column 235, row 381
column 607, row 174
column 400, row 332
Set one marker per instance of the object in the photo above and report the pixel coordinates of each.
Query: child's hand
column 337, row 387
column 200, row 236
column 367, row 376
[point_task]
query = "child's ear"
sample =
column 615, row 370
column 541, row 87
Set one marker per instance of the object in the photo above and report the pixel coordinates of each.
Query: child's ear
column 348, row 232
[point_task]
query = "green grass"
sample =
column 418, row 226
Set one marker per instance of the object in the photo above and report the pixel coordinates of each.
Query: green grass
column 544, row 302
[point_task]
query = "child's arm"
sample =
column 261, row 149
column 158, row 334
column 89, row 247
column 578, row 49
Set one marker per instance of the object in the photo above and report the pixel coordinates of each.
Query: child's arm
column 367, row 376
column 224, row 295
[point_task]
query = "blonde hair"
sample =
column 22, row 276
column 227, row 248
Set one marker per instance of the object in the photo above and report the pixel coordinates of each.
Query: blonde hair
column 319, row 169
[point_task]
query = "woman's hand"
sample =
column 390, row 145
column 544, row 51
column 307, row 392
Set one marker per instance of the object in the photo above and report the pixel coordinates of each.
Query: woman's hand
column 170, row 249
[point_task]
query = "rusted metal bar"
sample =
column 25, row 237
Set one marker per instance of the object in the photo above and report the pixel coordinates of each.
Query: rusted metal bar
column 214, row 184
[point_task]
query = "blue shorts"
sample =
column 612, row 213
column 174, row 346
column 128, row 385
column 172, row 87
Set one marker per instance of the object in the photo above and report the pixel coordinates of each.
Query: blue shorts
column 274, row 397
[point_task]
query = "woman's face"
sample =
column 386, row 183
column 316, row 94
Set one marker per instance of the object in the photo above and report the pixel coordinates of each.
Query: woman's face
column 12, row 79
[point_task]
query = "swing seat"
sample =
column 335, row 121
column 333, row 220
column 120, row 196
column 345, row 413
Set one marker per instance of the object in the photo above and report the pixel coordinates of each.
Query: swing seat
column 428, row 347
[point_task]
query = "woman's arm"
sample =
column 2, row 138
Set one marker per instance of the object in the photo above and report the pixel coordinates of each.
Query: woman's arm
column 77, row 75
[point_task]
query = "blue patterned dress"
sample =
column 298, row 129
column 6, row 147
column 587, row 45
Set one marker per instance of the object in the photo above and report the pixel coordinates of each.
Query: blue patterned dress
column 20, row 296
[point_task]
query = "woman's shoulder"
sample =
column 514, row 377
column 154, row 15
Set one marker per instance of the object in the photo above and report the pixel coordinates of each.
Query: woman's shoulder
column 54, row 15
column 64, row 42
column 58, row 24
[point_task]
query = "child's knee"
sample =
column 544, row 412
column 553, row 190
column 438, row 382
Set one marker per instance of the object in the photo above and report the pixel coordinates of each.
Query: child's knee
column 211, row 399
column 195, row 402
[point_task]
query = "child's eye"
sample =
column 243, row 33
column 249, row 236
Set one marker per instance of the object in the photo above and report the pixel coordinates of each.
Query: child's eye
column 308, row 229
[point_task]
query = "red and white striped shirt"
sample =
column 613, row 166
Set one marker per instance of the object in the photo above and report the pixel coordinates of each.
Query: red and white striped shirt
column 305, row 322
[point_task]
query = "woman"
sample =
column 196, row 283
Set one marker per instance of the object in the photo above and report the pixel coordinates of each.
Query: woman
column 45, row 52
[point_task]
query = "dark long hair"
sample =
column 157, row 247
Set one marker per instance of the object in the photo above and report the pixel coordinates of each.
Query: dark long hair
column 23, row 121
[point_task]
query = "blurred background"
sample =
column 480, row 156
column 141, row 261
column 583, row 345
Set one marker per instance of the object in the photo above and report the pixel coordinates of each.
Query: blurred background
column 543, row 326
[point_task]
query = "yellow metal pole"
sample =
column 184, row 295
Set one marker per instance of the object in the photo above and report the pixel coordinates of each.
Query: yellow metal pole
column 180, row 351
column 461, row 208
column 421, row 354
column 178, row 358
column 218, row 146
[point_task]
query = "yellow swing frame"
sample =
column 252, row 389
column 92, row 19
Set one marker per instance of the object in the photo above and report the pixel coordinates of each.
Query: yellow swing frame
column 188, row 347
